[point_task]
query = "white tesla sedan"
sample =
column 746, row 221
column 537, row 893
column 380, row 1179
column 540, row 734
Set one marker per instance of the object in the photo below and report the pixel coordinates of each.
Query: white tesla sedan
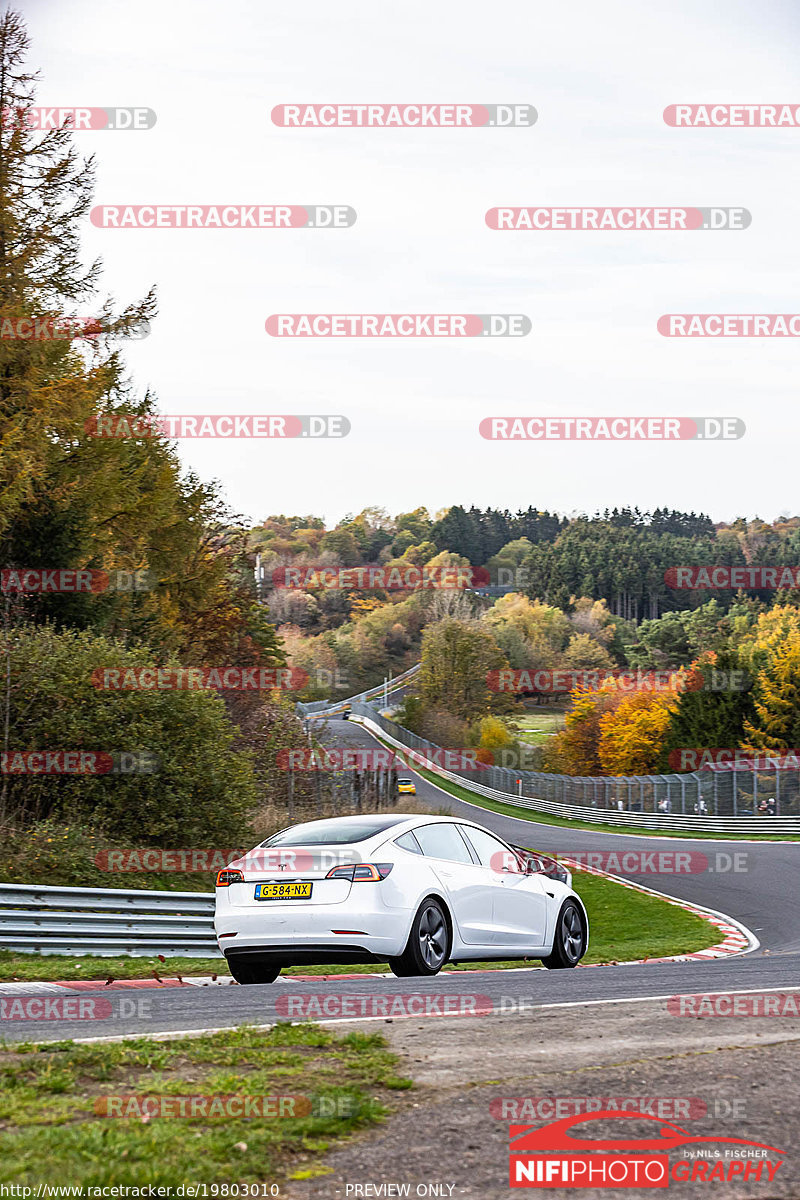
column 413, row 891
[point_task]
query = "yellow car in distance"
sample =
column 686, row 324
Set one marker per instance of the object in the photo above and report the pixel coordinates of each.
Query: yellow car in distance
column 407, row 787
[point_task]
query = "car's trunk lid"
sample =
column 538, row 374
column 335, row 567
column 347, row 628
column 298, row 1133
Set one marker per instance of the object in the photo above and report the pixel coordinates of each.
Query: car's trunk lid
column 282, row 865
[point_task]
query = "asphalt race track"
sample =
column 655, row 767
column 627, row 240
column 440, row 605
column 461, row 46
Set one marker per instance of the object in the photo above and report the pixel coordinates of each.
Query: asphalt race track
column 763, row 894
column 469, row 1040
column 152, row 1009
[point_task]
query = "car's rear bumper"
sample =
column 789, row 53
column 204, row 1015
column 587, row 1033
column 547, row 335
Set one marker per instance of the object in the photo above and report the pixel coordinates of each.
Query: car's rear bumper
column 297, row 933
column 296, row 956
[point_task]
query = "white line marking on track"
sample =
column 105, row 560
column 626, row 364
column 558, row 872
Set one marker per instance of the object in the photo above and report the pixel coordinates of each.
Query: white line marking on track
column 192, row 1033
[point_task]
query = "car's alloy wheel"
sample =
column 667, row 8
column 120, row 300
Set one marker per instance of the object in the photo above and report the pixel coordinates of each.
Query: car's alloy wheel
column 569, row 943
column 428, row 943
column 254, row 972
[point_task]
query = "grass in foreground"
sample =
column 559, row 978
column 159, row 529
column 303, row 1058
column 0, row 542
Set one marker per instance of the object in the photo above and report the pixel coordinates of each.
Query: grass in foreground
column 50, row 1132
column 625, row 924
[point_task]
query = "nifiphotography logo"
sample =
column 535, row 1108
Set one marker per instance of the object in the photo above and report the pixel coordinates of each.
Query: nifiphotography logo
column 626, row 1162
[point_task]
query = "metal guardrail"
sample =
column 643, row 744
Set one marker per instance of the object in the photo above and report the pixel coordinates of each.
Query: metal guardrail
column 611, row 809
column 753, row 799
column 106, row 921
column 320, row 707
column 309, row 707
column 708, row 801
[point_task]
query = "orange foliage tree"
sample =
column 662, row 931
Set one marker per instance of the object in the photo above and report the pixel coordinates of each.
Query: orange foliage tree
column 631, row 735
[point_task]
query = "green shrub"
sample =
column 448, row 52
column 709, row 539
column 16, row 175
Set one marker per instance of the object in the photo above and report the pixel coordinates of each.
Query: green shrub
column 202, row 788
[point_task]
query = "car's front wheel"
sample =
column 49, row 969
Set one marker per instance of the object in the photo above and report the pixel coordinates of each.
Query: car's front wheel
column 569, row 943
column 428, row 943
column 253, row 972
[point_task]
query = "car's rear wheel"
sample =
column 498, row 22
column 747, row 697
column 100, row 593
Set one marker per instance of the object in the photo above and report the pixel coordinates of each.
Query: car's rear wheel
column 254, row 972
column 428, row 943
column 569, row 943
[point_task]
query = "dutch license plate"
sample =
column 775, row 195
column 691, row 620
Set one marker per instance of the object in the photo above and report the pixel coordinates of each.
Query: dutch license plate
column 283, row 891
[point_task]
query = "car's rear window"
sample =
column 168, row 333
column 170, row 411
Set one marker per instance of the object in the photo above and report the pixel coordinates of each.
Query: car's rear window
column 332, row 833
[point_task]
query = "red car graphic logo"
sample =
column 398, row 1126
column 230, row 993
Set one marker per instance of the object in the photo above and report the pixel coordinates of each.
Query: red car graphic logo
column 556, row 1136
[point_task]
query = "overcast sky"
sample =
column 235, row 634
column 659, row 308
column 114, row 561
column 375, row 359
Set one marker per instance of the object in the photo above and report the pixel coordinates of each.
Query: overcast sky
column 599, row 77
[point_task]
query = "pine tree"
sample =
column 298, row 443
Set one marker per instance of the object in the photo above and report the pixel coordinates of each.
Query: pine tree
column 707, row 716
column 776, row 724
column 69, row 499
column 47, row 390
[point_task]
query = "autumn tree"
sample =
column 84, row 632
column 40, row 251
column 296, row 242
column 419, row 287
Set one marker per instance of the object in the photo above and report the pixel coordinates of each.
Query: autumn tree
column 631, row 736
column 546, row 629
column 48, row 387
column 495, row 742
column 71, row 499
column 457, row 657
column 585, row 653
column 576, row 749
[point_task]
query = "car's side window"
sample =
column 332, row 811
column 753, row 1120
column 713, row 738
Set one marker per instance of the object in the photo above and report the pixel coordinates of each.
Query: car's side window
column 408, row 842
column 443, row 841
column 491, row 852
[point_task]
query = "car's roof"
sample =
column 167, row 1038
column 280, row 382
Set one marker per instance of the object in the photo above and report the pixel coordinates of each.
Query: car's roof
column 408, row 821
column 418, row 818
column 412, row 820
column 395, row 824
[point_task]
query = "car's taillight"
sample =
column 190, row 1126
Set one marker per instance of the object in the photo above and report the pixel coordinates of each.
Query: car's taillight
column 226, row 877
column 361, row 872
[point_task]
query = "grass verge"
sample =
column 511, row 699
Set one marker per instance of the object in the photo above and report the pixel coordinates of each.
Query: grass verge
column 51, row 1133
column 31, row 967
